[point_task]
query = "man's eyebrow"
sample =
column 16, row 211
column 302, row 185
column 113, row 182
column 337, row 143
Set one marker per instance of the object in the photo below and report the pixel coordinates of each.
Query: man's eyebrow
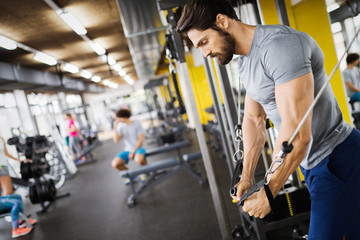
column 199, row 42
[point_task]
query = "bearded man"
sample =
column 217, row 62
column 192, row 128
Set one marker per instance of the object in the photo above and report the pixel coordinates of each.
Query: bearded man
column 282, row 70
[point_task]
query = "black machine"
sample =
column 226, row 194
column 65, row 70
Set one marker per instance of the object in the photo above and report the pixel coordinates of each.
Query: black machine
column 41, row 189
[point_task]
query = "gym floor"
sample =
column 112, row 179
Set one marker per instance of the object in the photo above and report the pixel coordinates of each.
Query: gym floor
column 178, row 208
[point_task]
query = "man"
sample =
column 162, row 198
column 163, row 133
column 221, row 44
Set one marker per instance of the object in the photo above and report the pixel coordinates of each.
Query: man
column 133, row 135
column 282, row 69
column 352, row 77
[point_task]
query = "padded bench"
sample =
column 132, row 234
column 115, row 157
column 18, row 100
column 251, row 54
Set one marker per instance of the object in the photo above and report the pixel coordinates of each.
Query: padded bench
column 168, row 148
column 161, row 170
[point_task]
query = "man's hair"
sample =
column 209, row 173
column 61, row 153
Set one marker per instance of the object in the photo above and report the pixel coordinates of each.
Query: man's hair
column 201, row 15
column 352, row 57
column 123, row 113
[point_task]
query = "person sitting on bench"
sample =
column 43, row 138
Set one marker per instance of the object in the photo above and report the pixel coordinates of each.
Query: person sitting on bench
column 14, row 204
column 133, row 135
column 352, row 77
column 5, row 181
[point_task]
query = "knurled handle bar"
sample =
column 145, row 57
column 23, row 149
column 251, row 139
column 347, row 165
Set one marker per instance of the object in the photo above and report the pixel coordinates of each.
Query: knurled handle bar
column 286, row 147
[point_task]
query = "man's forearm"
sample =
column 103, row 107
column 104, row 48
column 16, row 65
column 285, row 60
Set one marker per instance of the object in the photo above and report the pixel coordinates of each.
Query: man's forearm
column 254, row 140
column 139, row 144
column 292, row 160
column 117, row 137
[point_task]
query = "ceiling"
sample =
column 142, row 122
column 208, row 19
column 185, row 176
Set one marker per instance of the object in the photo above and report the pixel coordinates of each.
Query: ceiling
column 36, row 24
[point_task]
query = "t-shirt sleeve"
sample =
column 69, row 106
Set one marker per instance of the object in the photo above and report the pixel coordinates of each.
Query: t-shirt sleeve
column 139, row 128
column 287, row 57
column 119, row 128
column 346, row 76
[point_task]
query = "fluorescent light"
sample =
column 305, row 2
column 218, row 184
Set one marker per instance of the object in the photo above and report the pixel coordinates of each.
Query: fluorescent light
column 332, row 7
column 86, row 74
column 97, row 47
column 129, row 80
column 111, row 60
column 103, row 58
column 122, row 72
column 117, row 67
column 7, row 43
column 114, row 85
column 106, row 82
column 71, row 68
column 73, row 23
column 96, row 79
column 42, row 57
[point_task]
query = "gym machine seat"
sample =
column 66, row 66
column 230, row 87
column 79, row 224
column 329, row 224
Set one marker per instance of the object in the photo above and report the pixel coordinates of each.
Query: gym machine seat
column 161, row 170
column 168, row 147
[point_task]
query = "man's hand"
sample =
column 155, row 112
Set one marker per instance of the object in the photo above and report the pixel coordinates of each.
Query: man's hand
column 131, row 155
column 257, row 205
column 241, row 187
column 116, row 122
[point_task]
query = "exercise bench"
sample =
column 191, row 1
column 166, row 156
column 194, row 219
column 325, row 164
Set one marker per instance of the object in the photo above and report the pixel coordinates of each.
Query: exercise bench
column 169, row 147
column 161, row 170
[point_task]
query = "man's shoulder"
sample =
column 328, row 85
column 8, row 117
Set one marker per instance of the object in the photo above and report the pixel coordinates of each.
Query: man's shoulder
column 276, row 34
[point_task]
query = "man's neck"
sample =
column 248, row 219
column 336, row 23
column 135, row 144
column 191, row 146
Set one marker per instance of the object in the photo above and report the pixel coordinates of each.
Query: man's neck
column 350, row 66
column 243, row 35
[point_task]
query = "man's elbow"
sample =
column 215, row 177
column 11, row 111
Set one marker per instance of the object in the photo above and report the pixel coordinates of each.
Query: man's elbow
column 304, row 138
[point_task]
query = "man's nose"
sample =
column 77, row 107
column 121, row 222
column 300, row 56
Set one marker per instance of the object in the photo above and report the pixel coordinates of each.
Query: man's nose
column 205, row 52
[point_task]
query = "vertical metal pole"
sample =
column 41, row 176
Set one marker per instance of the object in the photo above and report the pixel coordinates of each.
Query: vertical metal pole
column 282, row 13
column 215, row 192
column 219, row 113
column 181, row 66
column 258, row 12
column 228, row 97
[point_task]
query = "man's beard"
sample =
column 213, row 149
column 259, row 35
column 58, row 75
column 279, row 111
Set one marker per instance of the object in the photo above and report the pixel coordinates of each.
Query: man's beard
column 227, row 50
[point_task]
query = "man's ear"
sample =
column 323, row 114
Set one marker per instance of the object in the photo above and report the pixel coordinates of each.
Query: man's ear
column 222, row 21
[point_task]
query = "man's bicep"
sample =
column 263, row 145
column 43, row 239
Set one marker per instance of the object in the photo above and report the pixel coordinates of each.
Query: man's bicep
column 253, row 109
column 141, row 136
column 293, row 98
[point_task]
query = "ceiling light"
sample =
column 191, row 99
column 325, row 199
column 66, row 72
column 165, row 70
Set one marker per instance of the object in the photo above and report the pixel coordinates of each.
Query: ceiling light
column 111, row 60
column 129, row 80
column 122, row 72
column 103, row 58
column 97, row 47
column 42, row 57
column 71, row 68
column 106, row 82
column 73, row 23
column 96, row 79
column 113, row 85
column 7, row 43
column 86, row 74
column 117, row 67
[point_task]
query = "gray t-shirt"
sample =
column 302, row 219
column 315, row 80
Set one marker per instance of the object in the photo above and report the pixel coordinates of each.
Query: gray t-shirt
column 279, row 54
column 353, row 76
column 130, row 134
